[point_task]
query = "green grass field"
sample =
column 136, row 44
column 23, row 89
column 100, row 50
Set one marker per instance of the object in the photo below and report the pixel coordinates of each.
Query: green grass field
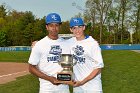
column 14, row 56
column 120, row 74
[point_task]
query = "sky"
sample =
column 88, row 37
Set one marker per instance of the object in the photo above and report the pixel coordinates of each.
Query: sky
column 40, row 8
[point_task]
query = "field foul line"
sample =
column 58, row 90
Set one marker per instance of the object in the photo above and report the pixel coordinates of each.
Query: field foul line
column 12, row 74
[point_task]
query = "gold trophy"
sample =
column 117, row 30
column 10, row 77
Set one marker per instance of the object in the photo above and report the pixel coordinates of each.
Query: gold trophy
column 66, row 76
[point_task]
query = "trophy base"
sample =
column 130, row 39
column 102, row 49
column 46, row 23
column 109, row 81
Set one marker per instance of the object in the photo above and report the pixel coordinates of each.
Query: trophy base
column 65, row 78
column 71, row 83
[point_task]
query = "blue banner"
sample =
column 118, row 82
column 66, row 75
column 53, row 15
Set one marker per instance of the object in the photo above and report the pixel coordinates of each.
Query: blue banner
column 16, row 48
column 120, row 47
column 103, row 47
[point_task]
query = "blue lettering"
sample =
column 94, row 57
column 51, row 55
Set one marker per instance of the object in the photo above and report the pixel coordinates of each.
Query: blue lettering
column 53, row 58
column 79, row 59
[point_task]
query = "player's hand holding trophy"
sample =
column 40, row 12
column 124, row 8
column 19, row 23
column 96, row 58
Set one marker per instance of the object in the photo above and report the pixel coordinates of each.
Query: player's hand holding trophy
column 66, row 76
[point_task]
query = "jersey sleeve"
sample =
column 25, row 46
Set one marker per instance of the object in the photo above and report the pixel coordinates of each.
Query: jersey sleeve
column 34, row 56
column 97, row 56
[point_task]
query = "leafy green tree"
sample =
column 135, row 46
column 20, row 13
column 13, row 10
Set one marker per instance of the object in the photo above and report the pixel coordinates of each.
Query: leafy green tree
column 2, row 11
column 39, row 29
column 65, row 28
column 2, row 22
column 137, row 33
column 98, row 9
column 2, row 38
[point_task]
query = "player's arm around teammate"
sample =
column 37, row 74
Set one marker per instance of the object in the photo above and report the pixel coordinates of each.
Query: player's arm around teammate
column 45, row 55
column 53, row 29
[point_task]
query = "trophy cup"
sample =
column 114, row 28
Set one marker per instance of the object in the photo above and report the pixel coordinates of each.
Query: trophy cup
column 66, row 75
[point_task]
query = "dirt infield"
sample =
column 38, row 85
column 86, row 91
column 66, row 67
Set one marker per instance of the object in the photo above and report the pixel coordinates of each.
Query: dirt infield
column 9, row 71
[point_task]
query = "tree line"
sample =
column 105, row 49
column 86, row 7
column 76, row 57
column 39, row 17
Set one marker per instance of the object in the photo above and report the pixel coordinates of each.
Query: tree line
column 108, row 21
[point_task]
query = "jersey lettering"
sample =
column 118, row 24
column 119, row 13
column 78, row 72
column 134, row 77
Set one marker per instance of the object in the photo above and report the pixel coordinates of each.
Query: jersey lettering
column 54, row 58
column 54, row 54
column 78, row 54
column 79, row 59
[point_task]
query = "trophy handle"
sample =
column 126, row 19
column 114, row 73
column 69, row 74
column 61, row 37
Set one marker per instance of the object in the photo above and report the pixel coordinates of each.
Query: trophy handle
column 60, row 59
column 74, row 62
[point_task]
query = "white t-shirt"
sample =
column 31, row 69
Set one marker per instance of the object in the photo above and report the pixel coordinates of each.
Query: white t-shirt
column 87, row 54
column 46, row 54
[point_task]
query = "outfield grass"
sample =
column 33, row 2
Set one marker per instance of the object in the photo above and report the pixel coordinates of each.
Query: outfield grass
column 14, row 56
column 120, row 75
column 24, row 84
column 121, row 72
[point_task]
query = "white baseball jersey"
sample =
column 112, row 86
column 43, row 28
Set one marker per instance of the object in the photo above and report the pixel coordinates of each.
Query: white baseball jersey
column 87, row 54
column 46, row 54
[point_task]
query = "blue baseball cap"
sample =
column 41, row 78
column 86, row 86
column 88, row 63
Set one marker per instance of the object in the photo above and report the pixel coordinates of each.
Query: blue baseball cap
column 53, row 18
column 76, row 22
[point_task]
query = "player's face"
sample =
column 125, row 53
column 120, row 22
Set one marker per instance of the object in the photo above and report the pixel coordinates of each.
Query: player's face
column 78, row 31
column 53, row 29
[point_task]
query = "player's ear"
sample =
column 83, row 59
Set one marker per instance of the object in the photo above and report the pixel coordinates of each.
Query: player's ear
column 47, row 27
column 71, row 30
column 84, row 27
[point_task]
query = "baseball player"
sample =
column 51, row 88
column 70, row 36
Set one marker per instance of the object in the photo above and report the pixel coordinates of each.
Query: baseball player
column 45, row 55
column 87, row 53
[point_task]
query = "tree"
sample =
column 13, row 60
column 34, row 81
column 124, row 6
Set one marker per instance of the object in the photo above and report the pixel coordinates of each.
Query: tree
column 65, row 28
column 98, row 9
column 111, row 21
column 2, row 11
column 137, row 34
column 2, row 38
column 39, row 29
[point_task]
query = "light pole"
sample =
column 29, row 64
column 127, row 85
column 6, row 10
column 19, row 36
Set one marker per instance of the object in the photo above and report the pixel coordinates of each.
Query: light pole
column 131, row 31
